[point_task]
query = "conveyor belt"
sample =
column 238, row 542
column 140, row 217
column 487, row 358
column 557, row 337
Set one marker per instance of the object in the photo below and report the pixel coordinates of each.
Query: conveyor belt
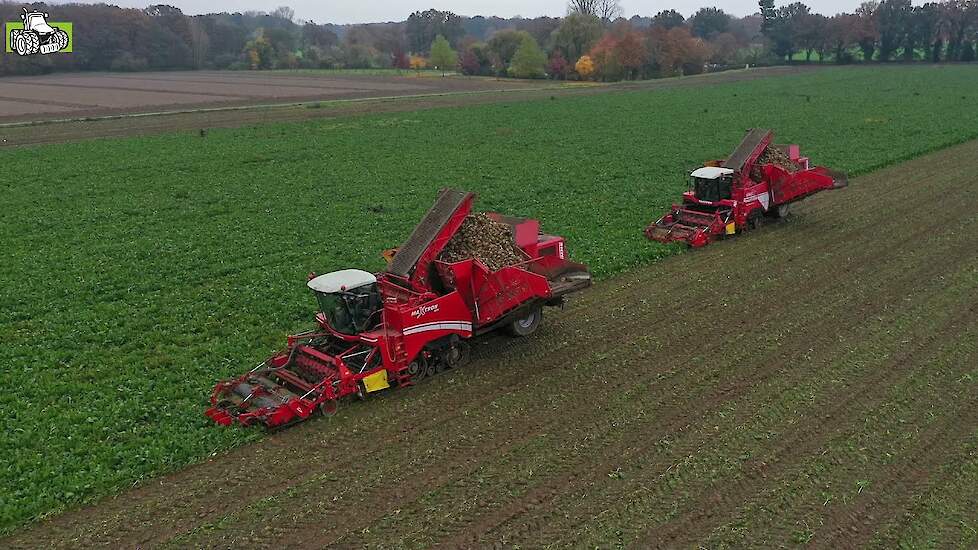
column 408, row 255
column 743, row 152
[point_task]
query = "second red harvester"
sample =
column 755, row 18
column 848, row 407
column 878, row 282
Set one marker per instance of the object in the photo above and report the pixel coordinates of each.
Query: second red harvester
column 729, row 196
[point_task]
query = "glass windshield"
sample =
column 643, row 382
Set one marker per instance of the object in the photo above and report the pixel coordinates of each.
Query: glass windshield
column 351, row 312
column 711, row 190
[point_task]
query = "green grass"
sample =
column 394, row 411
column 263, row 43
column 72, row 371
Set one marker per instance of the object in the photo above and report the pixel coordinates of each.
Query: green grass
column 139, row 271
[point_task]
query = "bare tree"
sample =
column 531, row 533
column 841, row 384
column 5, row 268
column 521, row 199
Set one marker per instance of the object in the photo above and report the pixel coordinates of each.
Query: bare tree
column 606, row 10
column 609, row 10
column 284, row 12
column 584, row 7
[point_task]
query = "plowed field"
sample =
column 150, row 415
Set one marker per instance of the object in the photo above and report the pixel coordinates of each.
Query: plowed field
column 812, row 382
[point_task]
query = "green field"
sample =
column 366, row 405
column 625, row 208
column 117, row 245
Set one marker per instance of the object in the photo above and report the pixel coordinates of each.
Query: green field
column 139, row 271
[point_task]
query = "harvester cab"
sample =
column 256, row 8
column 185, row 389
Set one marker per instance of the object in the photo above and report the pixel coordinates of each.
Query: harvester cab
column 349, row 300
column 711, row 184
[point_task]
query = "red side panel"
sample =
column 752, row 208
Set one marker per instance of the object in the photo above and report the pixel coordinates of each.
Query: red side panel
column 493, row 294
column 422, row 322
column 787, row 187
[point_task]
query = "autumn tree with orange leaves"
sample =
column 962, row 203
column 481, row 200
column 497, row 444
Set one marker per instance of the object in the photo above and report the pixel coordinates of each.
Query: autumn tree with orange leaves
column 619, row 55
column 677, row 51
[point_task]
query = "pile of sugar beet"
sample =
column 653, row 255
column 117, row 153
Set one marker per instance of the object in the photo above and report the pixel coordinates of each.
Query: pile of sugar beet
column 772, row 155
column 484, row 239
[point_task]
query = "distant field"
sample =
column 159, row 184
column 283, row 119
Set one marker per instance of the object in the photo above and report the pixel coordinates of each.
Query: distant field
column 139, row 271
column 94, row 94
column 423, row 73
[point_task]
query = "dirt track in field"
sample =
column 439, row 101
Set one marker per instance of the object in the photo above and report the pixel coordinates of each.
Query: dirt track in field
column 87, row 94
column 381, row 95
column 813, row 382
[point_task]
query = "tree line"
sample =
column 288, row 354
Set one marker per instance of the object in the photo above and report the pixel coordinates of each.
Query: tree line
column 593, row 41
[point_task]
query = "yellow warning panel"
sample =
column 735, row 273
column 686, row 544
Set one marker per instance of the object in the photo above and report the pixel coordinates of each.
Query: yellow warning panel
column 376, row 381
column 731, row 228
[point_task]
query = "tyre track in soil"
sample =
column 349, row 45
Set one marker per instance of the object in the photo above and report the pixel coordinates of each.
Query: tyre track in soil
column 897, row 531
column 855, row 526
column 782, row 530
column 890, row 493
column 544, row 497
column 364, row 519
column 568, row 486
column 711, row 508
column 707, row 502
column 273, row 445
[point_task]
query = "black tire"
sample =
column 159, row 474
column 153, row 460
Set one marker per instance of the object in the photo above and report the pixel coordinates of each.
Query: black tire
column 13, row 38
column 781, row 211
column 61, row 37
column 527, row 323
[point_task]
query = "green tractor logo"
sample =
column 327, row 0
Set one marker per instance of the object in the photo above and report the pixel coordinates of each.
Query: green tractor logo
column 37, row 36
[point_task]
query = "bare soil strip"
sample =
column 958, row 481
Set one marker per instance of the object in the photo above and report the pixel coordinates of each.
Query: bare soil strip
column 88, row 121
column 682, row 402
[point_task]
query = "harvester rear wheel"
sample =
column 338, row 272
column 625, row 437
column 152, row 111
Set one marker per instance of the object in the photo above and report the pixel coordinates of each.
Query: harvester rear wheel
column 528, row 323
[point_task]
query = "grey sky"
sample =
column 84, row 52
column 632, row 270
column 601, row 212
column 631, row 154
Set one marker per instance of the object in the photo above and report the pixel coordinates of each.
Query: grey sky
column 332, row 11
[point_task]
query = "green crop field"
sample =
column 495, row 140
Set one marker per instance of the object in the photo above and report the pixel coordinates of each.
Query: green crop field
column 137, row 272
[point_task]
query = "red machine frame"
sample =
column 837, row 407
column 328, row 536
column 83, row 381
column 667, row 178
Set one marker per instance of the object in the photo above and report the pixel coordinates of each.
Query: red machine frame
column 430, row 308
column 698, row 222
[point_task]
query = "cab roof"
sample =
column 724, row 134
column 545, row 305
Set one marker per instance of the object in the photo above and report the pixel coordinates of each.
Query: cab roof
column 711, row 172
column 337, row 281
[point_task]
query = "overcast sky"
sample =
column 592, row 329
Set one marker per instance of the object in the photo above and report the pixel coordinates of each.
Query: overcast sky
column 368, row 11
